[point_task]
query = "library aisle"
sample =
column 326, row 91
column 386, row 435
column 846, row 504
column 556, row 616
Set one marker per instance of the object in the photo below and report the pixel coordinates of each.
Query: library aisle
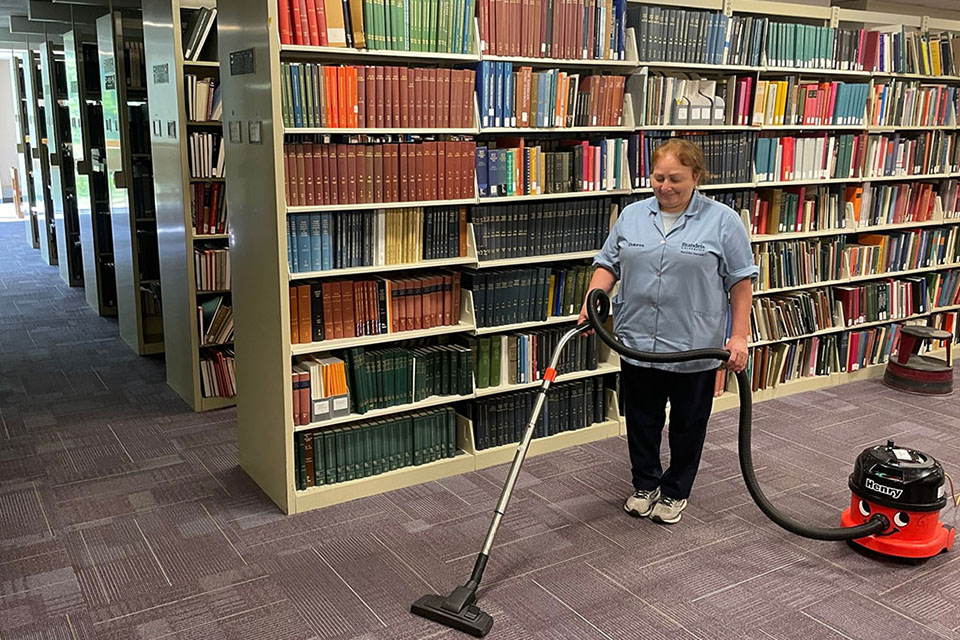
column 126, row 515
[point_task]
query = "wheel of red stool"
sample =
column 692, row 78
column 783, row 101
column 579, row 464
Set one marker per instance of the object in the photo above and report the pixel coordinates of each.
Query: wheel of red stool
column 914, row 373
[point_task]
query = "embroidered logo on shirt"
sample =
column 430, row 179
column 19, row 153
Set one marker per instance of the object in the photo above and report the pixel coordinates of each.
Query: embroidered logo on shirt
column 693, row 248
column 638, row 245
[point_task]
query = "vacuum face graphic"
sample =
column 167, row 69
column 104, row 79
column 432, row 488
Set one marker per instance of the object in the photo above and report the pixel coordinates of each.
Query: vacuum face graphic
column 906, row 487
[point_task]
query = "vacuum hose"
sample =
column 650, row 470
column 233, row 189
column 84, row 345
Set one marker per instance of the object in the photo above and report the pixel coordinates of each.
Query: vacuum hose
column 598, row 309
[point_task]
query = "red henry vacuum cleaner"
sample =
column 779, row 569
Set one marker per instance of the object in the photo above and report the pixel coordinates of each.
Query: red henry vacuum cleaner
column 897, row 492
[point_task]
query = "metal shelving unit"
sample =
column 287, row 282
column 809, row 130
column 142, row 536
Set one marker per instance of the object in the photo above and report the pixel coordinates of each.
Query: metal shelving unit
column 89, row 158
column 129, row 179
column 170, row 129
column 40, row 160
column 63, row 188
column 24, row 157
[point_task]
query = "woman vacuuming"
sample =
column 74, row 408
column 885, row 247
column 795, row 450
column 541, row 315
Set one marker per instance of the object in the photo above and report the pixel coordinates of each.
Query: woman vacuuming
column 682, row 259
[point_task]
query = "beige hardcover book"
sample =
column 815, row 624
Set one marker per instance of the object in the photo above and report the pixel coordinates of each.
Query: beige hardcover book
column 336, row 29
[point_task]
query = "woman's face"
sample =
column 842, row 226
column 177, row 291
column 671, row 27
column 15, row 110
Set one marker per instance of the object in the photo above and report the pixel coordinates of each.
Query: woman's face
column 673, row 183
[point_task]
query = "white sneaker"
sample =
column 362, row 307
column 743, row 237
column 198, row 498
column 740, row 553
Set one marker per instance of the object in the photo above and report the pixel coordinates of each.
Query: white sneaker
column 641, row 503
column 667, row 510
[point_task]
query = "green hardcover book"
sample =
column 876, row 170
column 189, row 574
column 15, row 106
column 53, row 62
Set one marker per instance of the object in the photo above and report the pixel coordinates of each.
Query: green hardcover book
column 399, row 26
column 434, row 28
column 384, row 437
column 394, row 444
column 451, row 420
column 319, row 468
column 413, row 8
column 330, row 456
column 446, row 370
column 368, row 23
column 483, row 363
column 417, row 445
column 456, row 26
column 349, row 456
column 341, row 457
column 438, row 436
column 368, row 456
column 287, row 102
column 376, row 448
column 298, row 463
column 306, row 78
column 496, row 363
column 380, row 26
column 358, row 450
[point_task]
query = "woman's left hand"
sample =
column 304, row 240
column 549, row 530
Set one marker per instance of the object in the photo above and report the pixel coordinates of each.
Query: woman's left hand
column 737, row 346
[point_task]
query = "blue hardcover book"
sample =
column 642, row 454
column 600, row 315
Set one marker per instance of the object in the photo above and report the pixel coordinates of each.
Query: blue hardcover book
column 498, row 92
column 482, row 173
column 316, row 242
column 493, row 162
column 295, row 90
column 483, row 69
column 292, row 243
column 491, row 93
column 326, row 241
column 468, row 13
column 509, row 117
column 303, row 241
column 291, row 261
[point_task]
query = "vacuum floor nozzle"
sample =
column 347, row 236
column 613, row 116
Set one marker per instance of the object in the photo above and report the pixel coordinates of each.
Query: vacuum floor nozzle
column 469, row 619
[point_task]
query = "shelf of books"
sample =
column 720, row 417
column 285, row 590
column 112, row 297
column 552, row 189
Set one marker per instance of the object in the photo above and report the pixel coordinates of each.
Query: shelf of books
column 37, row 128
column 186, row 141
column 63, row 191
column 133, row 220
column 434, row 189
column 24, row 153
column 89, row 161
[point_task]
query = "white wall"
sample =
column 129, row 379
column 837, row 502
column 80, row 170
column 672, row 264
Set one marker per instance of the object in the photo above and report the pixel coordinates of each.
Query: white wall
column 8, row 128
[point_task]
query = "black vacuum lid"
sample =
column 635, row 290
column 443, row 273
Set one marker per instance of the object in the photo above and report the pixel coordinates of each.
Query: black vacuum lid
column 899, row 478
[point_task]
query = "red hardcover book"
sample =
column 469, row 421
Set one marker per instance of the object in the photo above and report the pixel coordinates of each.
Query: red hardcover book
column 352, row 173
column 378, row 178
column 361, row 97
column 432, row 99
column 369, row 173
column 388, row 103
column 405, row 173
column 442, row 170
column 370, row 97
column 353, row 106
column 295, row 24
column 350, row 317
column 308, row 175
column 395, row 94
column 327, row 197
column 304, row 317
column 322, row 22
column 304, row 23
column 417, row 172
column 283, row 20
column 287, row 175
column 405, row 97
column 343, row 186
column 312, row 30
column 379, row 73
column 301, row 177
column 484, row 25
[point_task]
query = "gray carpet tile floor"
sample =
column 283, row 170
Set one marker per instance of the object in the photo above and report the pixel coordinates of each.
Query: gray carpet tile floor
column 123, row 515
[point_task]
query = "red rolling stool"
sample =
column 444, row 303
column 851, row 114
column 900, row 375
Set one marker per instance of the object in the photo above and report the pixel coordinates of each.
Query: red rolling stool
column 911, row 372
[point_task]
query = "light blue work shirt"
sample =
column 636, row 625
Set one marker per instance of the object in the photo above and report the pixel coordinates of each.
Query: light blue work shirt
column 674, row 286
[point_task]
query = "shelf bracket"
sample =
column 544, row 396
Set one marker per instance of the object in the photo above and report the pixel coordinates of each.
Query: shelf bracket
column 924, row 23
column 834, row 17
column 728, row 8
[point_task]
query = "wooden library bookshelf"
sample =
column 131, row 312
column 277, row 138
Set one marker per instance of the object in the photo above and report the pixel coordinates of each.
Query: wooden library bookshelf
column 85, row 109
column 133, row 220
column 28, row 208
column 183, row 83
column 335, row 132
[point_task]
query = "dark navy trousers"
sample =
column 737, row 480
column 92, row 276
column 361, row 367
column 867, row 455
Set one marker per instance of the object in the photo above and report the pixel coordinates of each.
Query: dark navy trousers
column 645, row 392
